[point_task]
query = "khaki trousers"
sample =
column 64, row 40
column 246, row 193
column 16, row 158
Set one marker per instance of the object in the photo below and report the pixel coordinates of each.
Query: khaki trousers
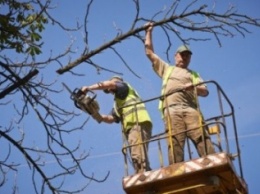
column 136, row 135
column 182, row 119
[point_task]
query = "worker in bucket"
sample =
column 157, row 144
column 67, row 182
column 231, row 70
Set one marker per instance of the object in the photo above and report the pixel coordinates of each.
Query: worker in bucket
column 135, row 120
column 180, row 110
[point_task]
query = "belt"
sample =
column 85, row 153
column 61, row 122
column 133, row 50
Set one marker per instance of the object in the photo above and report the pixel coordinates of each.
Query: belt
column 178, row 104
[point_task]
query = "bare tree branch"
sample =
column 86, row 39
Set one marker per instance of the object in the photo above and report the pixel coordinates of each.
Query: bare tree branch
column 217, row 24
column 21, row 33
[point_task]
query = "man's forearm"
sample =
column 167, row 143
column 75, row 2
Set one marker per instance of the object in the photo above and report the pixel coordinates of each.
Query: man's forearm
column 108, row 118
column 148, row 43
column 149, row 50
column 99, row 86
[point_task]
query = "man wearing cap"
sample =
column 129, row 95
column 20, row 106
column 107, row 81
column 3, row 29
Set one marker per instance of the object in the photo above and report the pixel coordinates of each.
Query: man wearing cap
column 136, row 122
column 180, row 109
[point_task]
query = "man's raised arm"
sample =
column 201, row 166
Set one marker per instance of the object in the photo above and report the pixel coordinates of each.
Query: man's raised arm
column 149, row 43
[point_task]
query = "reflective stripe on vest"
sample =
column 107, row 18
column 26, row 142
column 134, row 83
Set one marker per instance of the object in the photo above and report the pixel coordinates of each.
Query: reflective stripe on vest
column 195, row 80
column 128, row 114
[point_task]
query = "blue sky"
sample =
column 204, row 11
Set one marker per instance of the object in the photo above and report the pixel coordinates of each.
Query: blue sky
column 235, row 66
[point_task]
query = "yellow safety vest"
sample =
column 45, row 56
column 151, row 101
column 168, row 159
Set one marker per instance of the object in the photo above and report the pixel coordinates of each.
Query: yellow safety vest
column 195, row 80
column 128, row 114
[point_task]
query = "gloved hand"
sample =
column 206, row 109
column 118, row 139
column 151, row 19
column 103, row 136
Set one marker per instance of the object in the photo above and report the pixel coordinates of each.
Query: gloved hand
column 80, row 94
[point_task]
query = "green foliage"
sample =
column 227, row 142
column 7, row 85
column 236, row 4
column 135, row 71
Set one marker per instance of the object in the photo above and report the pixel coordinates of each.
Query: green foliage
column 21, row 27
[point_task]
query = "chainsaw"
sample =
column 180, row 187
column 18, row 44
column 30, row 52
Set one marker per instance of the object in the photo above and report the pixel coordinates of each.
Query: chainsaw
column 85, row 102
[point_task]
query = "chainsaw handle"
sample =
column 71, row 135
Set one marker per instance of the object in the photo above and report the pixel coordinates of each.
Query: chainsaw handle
column 77, row 93
column 94, row 95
